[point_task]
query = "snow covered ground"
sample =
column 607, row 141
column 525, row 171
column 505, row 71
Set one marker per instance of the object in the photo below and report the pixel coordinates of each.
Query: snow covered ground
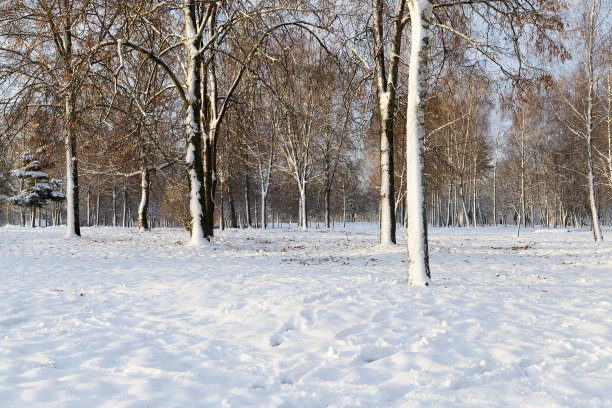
column 286, row 318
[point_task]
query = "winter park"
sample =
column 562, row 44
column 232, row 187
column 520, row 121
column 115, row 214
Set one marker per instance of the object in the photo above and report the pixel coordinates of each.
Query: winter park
column 289, row 203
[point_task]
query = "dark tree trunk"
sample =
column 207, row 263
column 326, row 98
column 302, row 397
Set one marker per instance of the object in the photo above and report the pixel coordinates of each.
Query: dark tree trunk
column 114, row 205
column 247, row 200
column 233, row 222
column 327, row 207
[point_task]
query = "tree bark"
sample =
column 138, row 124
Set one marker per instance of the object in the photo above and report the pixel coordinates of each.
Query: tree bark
column 387, row 91
column 143, row 222
column 418, row 252
column 98, row 205
column 247, row 200
column 73, row 228
column 88, row 206
column 193, row 159
column 327, row 207
column 303, row 208
column 598, row 236
column 114, row 205
column 125, row 206
column 233, row 222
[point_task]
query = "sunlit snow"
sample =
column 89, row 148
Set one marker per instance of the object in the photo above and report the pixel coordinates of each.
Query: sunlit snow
column 290, row 318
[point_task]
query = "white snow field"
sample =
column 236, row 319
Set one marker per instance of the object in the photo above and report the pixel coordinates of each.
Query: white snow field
column 285, row 318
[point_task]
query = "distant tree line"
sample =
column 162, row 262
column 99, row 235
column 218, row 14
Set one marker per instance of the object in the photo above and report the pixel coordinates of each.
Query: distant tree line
column 238, row 114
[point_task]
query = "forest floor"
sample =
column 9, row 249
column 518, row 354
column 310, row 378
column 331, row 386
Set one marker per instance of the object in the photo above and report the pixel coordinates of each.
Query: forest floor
column 287, row 318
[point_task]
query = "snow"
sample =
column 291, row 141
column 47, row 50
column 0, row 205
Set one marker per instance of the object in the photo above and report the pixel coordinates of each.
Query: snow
column 29, row 174
column 304, row 319
column 33, row 165
column 25, row 199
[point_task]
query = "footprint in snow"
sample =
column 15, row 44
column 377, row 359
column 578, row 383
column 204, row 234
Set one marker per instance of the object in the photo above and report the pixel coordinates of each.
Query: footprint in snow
column 11, row 321
column 350, row 331
column 294, row 375
column 310, row 315
column 381, row 316
column 369, row 354
column 294, row 324
column 432, row 313
column 277, row 339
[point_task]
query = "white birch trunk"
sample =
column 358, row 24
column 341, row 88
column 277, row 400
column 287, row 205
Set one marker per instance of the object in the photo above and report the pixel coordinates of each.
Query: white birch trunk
column 98, row 204
column 143, row 223
column 495, row 179
column 589, row 131
column 418, row 254
column 264, row 220
column 303, row 212
column 609, row 122
column 387, row 219
column 72, row 186
column 264, row 176
column 88, row 206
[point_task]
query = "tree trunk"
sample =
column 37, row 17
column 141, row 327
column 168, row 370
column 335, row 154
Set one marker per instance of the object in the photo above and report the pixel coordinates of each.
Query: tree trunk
column 125, row 206
column 589, row 131
column 304, row 212
column 495, row 181
column 247, row 200
column 474, row 191
column 327, row 209
column 98, row 206
column 264, row 209
column 386, row 91
column 464, row 219
column 256, row 219
column 343, row 206
column 233, row 222
column 114, row 205
column 209, row 187
column 418, row 251
column 221, row 213
column 193, row 158
column 73, row 228
column 143, row 222
column 449, row 215
column 88, row 206
column 299, row 217
column 609, row 122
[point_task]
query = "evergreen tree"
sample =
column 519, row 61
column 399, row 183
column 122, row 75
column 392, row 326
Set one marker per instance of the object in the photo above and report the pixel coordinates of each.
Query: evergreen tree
column 36, row 186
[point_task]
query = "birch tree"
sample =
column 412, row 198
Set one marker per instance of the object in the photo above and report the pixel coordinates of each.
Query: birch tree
column 491, row 15
column 581, row 101
column 386, row 87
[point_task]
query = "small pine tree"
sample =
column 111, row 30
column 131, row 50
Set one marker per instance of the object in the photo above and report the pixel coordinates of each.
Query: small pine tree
column 36, row 186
